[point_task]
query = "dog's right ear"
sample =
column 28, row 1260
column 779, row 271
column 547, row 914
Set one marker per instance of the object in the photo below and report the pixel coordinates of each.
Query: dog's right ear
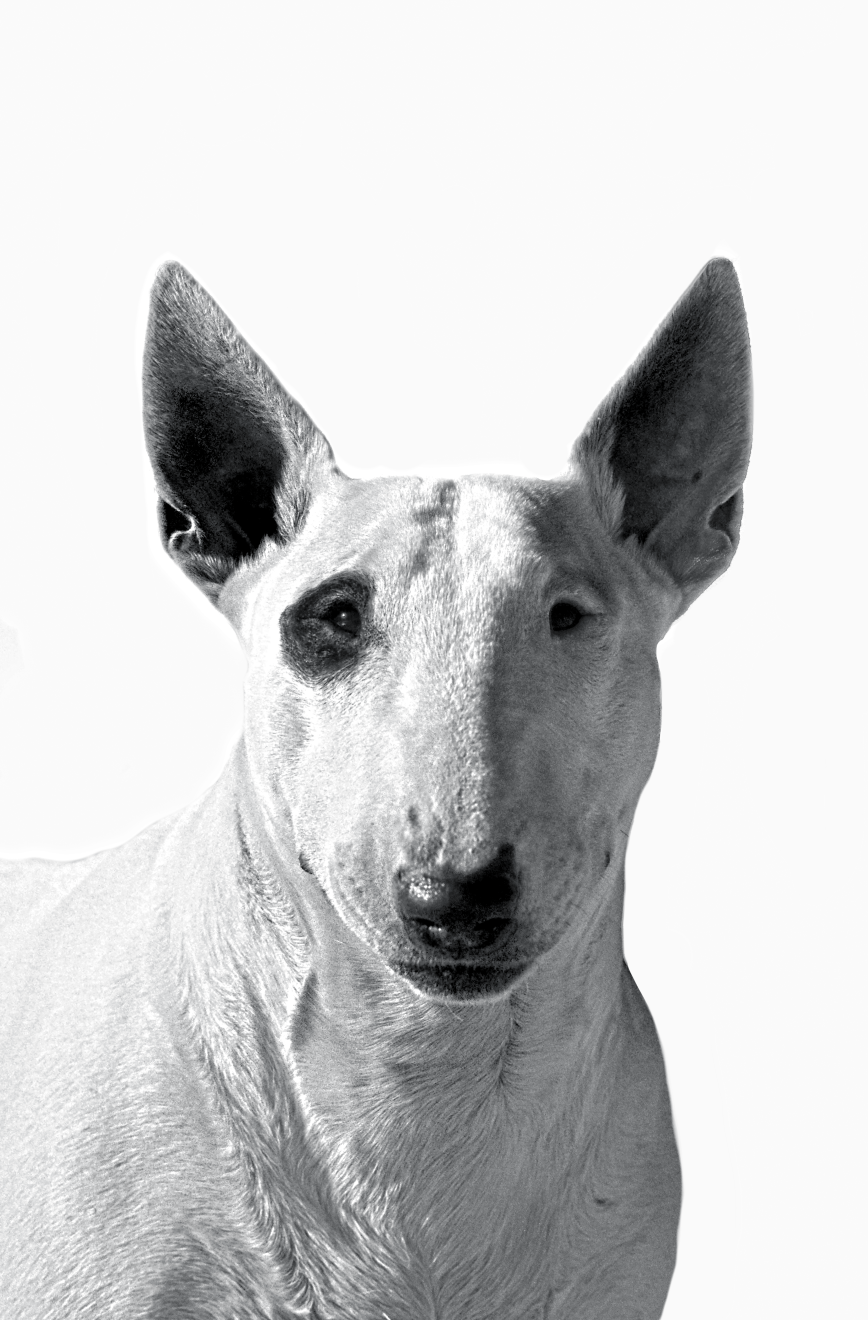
column 235, row 457
column 665, row 455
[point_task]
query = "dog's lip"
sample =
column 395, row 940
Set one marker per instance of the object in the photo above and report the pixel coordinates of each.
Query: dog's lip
column 461, row 980
column 501, row 955
column 478, row 943
column 463, row 964
column 444, row 967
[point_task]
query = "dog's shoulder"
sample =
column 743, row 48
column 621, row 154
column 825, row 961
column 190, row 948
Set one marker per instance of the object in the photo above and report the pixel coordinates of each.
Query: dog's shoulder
column 640, row 1115
column 70, row 908
column 76, row 938
column 31, row 888
column 107, row 1142
column 632, row 1188
column 637, row 1164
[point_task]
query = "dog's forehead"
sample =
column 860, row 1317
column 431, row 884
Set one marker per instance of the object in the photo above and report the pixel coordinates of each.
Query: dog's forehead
column 505, row 526
column 476, row 545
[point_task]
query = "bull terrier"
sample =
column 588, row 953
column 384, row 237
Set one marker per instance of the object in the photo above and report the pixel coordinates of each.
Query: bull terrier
column 353, row 1037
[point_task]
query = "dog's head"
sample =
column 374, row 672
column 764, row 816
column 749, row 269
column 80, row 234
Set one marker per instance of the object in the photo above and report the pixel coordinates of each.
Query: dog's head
column 453, row 695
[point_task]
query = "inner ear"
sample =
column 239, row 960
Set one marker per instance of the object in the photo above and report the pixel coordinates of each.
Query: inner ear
column 667, row 451
column 172, row 521
column 235, row 457
column 221, row 478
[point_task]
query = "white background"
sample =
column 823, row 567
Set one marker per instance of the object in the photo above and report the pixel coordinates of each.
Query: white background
column 449, row 228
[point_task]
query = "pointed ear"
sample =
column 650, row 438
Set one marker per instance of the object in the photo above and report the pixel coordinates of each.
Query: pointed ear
column 667, row 452
column 235, row 458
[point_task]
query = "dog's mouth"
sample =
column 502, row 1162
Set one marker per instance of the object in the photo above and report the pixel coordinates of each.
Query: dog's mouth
column 462, row 980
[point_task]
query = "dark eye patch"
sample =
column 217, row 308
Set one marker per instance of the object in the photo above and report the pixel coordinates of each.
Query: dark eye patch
column 326, row 629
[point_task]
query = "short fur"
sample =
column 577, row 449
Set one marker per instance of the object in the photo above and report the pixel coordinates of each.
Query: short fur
column 353, row 1035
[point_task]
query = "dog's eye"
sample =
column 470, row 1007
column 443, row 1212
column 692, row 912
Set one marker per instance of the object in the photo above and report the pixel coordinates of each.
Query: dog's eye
column 344, row 616
column 324, row 632
column 563, row 615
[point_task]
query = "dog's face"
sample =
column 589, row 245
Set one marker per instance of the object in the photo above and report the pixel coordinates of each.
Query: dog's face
column 452, row 680
column 452, row 699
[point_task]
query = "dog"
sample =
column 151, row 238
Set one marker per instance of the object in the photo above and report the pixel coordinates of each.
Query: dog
column 354, row 1035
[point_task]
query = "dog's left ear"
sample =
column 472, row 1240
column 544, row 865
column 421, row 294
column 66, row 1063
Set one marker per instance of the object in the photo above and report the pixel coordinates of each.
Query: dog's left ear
column 235, row 458
column 665, row 455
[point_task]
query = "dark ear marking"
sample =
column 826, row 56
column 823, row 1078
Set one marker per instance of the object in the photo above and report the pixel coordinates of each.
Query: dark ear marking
column 666, row 453
column 235, row 457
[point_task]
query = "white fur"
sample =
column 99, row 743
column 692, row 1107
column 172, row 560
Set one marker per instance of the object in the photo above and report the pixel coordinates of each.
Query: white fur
column 226, row 1091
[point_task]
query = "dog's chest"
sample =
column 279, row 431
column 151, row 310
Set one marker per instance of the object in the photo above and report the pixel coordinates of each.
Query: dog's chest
column 545, row 1263
column 463, row 1263
column 481, row 1241
column 532, row 1281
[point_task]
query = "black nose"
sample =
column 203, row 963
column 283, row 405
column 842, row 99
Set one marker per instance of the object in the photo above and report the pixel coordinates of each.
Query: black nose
column 459, row 913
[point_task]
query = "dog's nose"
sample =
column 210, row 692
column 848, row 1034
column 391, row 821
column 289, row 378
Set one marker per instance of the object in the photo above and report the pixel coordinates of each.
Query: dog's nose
column 459, row 913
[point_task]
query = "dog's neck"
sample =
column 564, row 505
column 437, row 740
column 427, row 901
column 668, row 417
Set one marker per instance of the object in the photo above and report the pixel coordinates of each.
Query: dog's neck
column 368, row 1051
column 373, row 1073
